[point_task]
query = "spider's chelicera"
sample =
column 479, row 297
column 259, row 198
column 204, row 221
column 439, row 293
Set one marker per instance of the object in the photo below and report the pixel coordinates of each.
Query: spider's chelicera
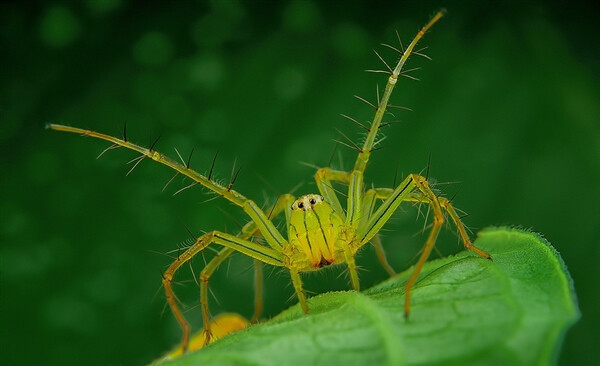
column 320, row 232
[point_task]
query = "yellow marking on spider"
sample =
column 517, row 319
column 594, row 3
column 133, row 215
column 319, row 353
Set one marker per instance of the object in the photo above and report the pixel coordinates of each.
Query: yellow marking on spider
column 320, row 232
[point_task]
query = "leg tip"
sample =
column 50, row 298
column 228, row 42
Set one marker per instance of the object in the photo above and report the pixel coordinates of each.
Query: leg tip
column 207, row 337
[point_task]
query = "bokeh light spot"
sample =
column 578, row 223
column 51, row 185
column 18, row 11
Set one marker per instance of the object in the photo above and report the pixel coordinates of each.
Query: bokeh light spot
column 102, row 7
column 301, row 16
column 206, row 72
column 106, row 286
column 290, row 83
column 219, row 26
column 153, row 49
column 349, row 41
column 59, row 27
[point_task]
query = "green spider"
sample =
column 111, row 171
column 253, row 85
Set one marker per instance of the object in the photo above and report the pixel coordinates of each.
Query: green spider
column 320, row 233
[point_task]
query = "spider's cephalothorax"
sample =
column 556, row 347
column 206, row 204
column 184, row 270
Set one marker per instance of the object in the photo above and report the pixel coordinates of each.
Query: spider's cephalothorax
column 320, row 231
column 313, row 232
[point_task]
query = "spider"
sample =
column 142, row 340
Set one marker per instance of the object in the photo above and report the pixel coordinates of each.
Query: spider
column 320, row 232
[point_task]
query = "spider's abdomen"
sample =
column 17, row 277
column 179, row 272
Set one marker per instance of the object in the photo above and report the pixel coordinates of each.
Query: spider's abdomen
column 314, row 229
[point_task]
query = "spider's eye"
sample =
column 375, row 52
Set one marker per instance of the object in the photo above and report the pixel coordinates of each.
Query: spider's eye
column 312, row 201
column 300, row 205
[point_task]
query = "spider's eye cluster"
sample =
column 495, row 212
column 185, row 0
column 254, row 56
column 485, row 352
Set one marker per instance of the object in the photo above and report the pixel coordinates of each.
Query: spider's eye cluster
column 307, row 202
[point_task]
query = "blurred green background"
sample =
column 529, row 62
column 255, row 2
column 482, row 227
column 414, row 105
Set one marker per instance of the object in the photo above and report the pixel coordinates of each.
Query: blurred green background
column 508, row 107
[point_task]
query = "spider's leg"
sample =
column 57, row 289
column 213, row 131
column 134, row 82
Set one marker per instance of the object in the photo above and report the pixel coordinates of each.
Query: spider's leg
column 254, row 250
column 447, row 206
column 205, row 275
column 381, row 256
column 352, row 215
column 324, row 177
column 258, row 291
column 373, row 221
column 266, row 227
column 351, row 263
column 355, row 209
column 367, row 148
column 297, row 282
column 369, row 200
column 414, row 188
column 282, row 205
column 368, row 204
column 385, row 211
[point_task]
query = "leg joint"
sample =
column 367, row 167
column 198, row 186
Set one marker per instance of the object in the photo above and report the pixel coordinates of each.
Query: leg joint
column 204, row 276
column 438, row 219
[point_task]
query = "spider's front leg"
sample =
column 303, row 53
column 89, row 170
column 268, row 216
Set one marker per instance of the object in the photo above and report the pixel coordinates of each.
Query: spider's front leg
column 281, row 205
column 235, row 243
column 355, row 210
column 415, row 188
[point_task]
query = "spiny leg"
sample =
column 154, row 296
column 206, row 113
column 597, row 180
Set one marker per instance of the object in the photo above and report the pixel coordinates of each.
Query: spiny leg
column 381, row 256
column 438, row 221
column 254, row 250
column 324, row 177
column 462, row 232
column 354, row 214
column 414, row 188
column 297, row 282
column 389, row 206
column 206, row 273
column 258, row 291
column 261, row 221
column 367, row 148
column 418, row 197
column 281, row 205
column 351, row 263
column 266, row 227
column 368, row 204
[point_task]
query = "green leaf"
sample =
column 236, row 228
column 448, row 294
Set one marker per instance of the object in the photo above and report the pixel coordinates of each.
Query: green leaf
column 465, row 310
